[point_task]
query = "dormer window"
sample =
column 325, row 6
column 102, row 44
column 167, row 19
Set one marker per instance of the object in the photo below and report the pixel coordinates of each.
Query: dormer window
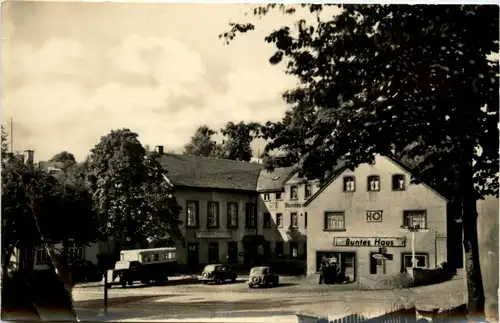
column 349, row 184
column 398, row 182
column 294, row 192
column 267, row 197
column 374, row 183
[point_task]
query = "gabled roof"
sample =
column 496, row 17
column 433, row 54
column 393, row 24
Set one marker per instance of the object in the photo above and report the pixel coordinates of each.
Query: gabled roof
column 340, row 170
column 205, row 172
column 274, row 181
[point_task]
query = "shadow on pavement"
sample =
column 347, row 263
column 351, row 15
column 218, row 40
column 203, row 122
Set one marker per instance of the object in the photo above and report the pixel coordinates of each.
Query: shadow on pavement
column 112, row 302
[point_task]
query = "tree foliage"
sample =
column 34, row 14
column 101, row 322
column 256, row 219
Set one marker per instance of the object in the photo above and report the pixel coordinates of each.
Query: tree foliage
column 399, row 80
column 36, row 206
column 238, row 139
column 129, row 193
column 202, row 144
column 65, row 158
column 5, row 142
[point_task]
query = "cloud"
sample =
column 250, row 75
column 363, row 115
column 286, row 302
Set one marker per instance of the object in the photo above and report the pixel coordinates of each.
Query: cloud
column 69, row 93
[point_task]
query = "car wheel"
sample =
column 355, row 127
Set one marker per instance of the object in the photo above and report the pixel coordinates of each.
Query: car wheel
column 123, row 283
column 204, row 282
column 250, row 286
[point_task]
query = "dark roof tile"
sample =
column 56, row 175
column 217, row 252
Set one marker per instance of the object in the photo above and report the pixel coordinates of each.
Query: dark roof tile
column 205, row 172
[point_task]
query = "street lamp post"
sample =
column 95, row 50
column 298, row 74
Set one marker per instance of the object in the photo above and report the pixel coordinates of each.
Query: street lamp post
column 413, row 230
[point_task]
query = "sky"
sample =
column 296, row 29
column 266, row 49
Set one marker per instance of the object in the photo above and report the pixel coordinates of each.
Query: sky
column 72, row 72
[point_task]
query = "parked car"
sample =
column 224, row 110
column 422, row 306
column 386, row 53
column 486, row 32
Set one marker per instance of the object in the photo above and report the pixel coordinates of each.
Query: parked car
column 218, row 274
column 262, row 276
column 85, row 271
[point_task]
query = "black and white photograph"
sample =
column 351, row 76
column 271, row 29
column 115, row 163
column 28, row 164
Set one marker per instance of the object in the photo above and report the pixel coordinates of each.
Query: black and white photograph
column 249, row 162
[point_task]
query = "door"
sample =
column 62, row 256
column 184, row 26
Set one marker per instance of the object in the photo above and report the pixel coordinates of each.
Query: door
column 232, row 252
column 193, row 256
column 249, row 253
column 213, row 252
column 377, row 266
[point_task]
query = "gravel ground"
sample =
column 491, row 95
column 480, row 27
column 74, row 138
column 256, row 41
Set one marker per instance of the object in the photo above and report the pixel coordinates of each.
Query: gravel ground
column 187, row 298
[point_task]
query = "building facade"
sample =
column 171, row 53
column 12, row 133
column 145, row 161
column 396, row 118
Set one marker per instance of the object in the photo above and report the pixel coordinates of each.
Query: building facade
column 356, row 213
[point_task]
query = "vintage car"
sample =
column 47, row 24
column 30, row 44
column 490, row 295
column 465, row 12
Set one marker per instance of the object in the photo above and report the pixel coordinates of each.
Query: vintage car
column 262, row 276
column 217, row 273
column 143, row 265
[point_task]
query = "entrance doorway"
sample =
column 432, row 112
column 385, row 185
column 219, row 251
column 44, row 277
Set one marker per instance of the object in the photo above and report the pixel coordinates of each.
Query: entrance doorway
column 193, row 256
column 250, row 253
column 377, row 265
column 232, row 252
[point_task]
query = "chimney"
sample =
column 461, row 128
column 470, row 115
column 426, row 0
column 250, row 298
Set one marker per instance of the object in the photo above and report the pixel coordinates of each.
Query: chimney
column 29, row 157
column 159, row 150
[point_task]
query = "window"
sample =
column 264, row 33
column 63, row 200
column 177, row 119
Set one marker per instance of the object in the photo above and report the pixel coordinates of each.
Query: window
column 192, row 214
column 41, row 256
column 267, row 220
column 267, row 197
column 305, row 220
column 349, row 184
column 156, row 257
column 250, row 216
column 232, row 252
column 232, row 215
column 415, row 219
column 212, row 214
column 294, row 194
column 373, row 183
column 294, row 220
column 75, row 252
column 334, row 221
column 213, row 252
column 398, row 182
column 279, row 249
column 294, row 250
column 279, row 220
column 307, row 191
column 420, row 263
column 278, row 195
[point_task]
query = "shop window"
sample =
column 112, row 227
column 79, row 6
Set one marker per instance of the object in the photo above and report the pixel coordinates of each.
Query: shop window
column 349, row 184
column 373, row 183
column 267, row 197
column 422, row 260
column 415, row 219
column 346, row 261
column 294, row 220
column 294, row 193
column 398, row 182
column 267, row 220
column 278, row 196
column 334, row 221
column 213, row 252
column 279, row 249
column 279, row 220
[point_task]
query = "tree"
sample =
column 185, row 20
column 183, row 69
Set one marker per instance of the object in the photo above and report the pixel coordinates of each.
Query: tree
column 125, row 187
column 239, row 136
column 201, row 143
column 65, row 158
column 387, row 79
column 5, row 142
